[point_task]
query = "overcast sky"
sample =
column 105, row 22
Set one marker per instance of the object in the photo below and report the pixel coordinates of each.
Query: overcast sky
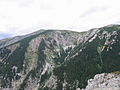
column 19, row 17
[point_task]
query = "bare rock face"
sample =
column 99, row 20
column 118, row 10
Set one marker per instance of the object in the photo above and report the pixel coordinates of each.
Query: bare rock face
column 105, row 81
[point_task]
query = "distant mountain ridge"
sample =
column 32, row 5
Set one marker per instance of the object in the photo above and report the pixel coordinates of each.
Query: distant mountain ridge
column 58, row 59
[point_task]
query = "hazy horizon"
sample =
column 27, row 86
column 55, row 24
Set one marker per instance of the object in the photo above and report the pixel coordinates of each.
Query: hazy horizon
column 20, row 17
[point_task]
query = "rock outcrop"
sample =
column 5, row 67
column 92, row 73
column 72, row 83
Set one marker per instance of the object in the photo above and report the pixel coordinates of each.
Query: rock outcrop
column 105, row 81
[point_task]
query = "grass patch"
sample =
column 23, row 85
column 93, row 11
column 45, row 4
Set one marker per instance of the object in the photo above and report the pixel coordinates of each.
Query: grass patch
column 116, row 72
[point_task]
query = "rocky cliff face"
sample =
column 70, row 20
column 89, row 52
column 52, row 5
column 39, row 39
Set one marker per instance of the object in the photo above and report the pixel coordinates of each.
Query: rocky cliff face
column 105, row 81
column 58, row 60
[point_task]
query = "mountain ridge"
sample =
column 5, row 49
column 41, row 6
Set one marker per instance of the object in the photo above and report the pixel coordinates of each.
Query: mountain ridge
column 58, row 60
column 19, row 38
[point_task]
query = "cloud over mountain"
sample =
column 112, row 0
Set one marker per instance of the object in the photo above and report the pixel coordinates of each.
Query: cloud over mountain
column 25, row 16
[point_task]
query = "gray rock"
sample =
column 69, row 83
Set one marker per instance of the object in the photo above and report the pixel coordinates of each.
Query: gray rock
column 105, row 81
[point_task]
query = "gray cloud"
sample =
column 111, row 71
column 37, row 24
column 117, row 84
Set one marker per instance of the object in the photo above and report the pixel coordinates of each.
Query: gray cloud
column 92, row 11
column 25, row 16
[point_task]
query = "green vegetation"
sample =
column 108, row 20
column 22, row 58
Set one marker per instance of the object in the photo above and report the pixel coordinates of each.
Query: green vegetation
column 24, row 83
column 93, row 59
column 43, row 80
column 116, row 72
column 15, row 59
column 100, row 48
column 111, row 28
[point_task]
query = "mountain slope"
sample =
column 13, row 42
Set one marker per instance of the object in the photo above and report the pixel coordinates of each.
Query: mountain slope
column 58, row 60
column 33, row 56
column 100, row 53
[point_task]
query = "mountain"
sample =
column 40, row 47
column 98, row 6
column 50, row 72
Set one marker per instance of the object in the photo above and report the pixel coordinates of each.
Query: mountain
column 58, row 59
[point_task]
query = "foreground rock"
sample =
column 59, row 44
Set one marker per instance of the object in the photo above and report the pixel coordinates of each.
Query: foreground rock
column 110, row 81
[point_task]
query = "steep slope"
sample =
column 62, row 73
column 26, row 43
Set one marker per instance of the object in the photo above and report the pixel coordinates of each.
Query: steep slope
column 99, row 53
column 9, row 41
column 58, row 60
column 25, row 62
